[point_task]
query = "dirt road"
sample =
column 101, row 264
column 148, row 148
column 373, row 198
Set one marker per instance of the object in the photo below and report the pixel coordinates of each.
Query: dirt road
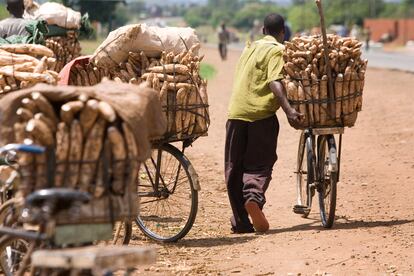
column 374, row 230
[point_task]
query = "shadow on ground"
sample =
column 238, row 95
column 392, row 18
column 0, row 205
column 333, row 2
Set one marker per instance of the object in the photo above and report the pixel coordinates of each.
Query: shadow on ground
column 217, row 241
column 341, row 225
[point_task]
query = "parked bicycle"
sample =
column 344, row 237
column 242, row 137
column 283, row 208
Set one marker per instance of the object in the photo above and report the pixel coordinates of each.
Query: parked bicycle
column 41, row 208
column 168, row 190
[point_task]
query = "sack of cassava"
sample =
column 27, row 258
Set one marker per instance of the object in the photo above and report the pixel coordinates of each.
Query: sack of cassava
column 95, row 138
column 54, row 14
column 306, row 80
column 151, row 40
column 176, row 77
column 64, row 28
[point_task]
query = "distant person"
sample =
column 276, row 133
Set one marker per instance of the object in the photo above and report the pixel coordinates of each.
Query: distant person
column 224, row 39
column 342, row 31
column 252, row 127
column 14, row 25
column 367, row 38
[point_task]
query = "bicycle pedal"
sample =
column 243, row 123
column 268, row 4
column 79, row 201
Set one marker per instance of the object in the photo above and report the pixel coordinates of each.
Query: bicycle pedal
column 300, row 209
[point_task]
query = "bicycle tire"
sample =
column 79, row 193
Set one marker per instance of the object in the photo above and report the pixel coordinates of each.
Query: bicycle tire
column 311, row 169
column 5, row 242
column 145, row 217
column 301, row 186
column 5, row 208
column 328, row 180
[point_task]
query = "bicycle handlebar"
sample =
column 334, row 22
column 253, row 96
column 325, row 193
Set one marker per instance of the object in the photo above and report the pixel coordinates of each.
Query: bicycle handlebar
column 8, row 154
column 23, row 148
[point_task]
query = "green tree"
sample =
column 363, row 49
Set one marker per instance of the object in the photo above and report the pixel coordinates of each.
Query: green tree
column 100, row 10
column 215, row 12
column 197, row 16
column 407, row 9
column 352, row 12
column 225, row 5
column 303, row 16
column 121, row 15
column 390, row 10
column 245, row 17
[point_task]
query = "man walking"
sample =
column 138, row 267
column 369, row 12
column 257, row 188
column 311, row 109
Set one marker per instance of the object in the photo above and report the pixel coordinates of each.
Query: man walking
column 224, row 39
column 15, row 25
column 252, row 127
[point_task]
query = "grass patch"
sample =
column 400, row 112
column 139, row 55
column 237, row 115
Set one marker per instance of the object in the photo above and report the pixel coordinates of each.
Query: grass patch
column 89, row 46
column 207, row 71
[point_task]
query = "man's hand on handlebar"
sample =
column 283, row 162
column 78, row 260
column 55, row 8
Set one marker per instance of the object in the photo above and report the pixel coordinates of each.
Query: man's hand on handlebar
column 294, row 117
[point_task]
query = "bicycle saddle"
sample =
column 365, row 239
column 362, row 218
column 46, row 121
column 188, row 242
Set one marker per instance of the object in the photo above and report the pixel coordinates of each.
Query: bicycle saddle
column 61, row 198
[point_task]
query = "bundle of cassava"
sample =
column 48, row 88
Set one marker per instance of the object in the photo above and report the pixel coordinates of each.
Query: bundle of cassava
column 306, row 80
column 66, row 48
column 24, row 65
column 174, row 74
column 95, row 139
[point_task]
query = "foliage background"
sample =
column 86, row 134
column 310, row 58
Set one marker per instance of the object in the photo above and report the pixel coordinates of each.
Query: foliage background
column 302, row 14
column 241, row 14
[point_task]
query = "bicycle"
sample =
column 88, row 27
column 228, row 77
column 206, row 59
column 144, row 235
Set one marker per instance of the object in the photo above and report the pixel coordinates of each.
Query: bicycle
column 168, row 189
column 9, row 204
column 17, row 246
column 42, row 208
column 322, row 165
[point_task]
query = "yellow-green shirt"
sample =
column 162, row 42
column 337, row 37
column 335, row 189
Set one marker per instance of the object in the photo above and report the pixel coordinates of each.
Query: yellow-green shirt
column 260, row 63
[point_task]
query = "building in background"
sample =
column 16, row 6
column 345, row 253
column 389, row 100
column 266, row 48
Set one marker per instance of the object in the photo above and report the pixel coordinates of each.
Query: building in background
column 386, row 30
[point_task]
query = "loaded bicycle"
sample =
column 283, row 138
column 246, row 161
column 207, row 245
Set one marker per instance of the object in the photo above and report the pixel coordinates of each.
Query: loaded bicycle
column 23, row 249
column 326, row 86
column 168, row 183
column 318, row 168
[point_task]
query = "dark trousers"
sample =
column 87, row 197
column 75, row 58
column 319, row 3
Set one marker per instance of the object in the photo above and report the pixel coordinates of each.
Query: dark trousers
column 223, row 51
column 250, row 154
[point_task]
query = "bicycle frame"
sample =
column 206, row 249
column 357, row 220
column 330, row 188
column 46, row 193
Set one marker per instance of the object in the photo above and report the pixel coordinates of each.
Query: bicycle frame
column 24, row 234
column 156, row 182
column 314, row 135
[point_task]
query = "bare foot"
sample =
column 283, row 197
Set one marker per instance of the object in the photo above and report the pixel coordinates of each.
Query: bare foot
column 260, row 222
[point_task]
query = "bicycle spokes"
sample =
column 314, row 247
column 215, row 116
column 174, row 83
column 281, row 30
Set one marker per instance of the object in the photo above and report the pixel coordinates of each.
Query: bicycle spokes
column 169, row 201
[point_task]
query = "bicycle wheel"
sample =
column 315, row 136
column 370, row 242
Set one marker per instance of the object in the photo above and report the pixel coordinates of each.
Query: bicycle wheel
column 12, row 252
column 5, row 210
column 167, row 210
column 302, row 206
column 304, row 178
column 328, row 173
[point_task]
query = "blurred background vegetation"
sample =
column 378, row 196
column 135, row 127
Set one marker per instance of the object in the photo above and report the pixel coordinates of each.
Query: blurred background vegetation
column 301, row 14
column 241, row 16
